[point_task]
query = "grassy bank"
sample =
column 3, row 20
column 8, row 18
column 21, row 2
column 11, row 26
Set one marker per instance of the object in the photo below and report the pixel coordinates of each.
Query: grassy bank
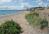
column 36, row 21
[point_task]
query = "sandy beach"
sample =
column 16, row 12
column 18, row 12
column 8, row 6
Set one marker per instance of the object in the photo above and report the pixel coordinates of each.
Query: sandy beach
column 20, row 19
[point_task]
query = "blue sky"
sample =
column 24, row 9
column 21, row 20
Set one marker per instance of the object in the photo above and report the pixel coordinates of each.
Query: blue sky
column 22, row 4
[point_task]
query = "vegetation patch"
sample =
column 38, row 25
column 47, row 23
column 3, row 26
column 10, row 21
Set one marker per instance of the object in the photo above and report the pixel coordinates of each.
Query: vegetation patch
column 36, row 21
column 44, row 23
column 10, row 27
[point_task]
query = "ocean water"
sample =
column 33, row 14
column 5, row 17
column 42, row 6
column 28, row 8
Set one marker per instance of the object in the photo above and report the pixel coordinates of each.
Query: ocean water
column 4, row 12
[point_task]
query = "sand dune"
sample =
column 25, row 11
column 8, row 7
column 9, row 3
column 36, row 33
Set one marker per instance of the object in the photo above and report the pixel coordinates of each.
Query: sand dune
column 20, row 19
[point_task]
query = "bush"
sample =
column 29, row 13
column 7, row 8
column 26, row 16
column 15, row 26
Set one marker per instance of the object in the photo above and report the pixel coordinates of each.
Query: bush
column 44, row 23
column 10, row 27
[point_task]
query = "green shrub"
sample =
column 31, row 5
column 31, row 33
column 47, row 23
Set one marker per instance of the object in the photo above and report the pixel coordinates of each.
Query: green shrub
column 10, row 27
column 44, row 23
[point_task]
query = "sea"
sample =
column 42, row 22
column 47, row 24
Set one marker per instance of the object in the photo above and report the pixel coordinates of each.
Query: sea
column 5, row 12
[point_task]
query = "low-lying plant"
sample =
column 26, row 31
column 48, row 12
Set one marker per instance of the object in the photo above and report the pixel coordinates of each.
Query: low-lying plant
column 10, row 27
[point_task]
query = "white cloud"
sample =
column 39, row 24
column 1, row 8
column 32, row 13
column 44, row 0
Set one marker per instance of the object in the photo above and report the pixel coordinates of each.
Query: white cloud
column 5, row 0
column 36, row 0
column 47, row 0
column 8, row 7
column 24, row 5
column 20, row 0
column 41, row 3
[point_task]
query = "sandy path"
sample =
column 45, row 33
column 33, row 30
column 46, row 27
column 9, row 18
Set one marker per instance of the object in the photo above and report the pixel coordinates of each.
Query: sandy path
column 23, row 23
column 20, row 18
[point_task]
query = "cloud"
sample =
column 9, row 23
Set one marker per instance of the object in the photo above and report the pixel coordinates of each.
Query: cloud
column 23, row 5
column 8, row 7
column 42, row 3
column 5, row 0
column 26, row 5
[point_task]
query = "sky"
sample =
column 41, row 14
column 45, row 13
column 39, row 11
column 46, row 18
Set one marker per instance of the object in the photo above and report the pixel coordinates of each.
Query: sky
column 22, row 4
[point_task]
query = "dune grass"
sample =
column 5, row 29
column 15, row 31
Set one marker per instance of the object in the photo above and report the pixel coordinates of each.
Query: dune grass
column 35, row 20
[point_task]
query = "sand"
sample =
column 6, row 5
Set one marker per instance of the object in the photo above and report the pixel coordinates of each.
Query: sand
column 20, row 19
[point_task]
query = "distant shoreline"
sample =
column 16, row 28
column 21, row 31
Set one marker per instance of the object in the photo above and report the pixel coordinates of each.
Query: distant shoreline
column 20, row 12
column 10, row 13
